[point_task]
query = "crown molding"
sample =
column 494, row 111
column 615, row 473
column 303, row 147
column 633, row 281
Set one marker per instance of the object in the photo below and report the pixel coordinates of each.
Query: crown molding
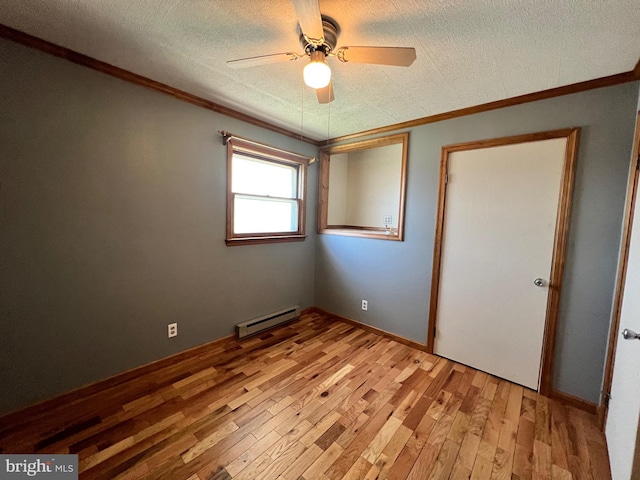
column 94, row 64
column 625, row 77
column 89, row 62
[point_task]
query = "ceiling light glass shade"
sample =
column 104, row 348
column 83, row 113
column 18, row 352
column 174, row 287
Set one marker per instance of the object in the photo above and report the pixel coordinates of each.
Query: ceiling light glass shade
column 317, row 73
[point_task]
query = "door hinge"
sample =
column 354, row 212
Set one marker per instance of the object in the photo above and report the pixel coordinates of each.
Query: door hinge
column 434, row 331
column 446, row 178
column 606, row 397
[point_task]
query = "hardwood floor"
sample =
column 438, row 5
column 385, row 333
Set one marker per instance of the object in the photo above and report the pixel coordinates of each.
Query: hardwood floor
column 318, row 399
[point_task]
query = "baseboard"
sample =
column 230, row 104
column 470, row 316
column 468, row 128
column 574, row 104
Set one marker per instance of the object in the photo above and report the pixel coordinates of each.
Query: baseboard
column 369, row 328
column 116, row 379
column 127, row 375
column 109, row 382
column 576, row 402
column 565, row 398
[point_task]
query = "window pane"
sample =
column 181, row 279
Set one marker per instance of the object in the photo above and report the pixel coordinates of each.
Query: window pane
column 259, row 177
column 264, row 215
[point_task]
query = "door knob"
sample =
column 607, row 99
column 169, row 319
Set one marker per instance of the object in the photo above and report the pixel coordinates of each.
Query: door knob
column 538, row 282
column 630, row 334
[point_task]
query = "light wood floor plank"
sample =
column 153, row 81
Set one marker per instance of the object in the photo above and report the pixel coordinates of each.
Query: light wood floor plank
column 308, row 457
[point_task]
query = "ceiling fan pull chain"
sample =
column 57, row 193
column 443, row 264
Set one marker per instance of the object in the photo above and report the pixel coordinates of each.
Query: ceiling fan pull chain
column 302, row 110
column 329, row 124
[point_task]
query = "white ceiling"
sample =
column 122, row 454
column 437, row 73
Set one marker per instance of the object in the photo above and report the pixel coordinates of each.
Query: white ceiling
column 469, row 52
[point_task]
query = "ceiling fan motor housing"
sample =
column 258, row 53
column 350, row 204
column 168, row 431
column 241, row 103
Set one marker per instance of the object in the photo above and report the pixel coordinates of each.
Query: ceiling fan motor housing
column 331, row 31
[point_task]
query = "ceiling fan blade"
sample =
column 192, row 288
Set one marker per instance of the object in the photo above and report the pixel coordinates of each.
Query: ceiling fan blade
column 398, row 56
column 325, row 95
column 262, row 60
column 309, row 18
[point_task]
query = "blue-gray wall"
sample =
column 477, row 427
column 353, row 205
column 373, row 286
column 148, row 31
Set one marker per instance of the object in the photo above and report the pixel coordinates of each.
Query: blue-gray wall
column 112, row 225
column 395, row 277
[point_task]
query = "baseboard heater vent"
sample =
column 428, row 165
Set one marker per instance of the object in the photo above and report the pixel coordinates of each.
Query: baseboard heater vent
column 265, row 322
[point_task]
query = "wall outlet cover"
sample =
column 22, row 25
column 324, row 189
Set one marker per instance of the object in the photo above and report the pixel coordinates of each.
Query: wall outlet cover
column 172, row 330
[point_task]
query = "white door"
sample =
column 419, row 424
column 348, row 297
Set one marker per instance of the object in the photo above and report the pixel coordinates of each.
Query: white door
column 624, row 406
column 498, row 236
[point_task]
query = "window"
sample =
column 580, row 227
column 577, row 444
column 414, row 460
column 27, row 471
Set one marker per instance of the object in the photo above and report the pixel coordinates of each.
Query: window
column 265, row 193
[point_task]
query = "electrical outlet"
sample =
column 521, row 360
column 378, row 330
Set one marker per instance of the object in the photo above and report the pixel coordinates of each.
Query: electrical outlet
column 387, row 220
column 365, row 304
column 173, row 330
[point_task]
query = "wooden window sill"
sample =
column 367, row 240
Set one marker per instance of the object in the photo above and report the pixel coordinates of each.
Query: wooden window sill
column 273, row 239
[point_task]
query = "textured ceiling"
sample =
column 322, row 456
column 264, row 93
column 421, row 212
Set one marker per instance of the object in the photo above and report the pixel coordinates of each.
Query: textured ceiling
column 468, row 52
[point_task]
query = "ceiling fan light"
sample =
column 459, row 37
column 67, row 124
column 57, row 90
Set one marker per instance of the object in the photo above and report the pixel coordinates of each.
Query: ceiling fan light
column 317, row 73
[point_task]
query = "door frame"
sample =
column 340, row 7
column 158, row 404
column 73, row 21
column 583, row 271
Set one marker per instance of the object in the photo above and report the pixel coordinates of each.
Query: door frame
column 627, row 225
column 559, row 244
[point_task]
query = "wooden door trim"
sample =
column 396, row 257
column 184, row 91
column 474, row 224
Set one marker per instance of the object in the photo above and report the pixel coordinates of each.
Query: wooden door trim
column 559, row 245
column 558, row 262
column 627, row 225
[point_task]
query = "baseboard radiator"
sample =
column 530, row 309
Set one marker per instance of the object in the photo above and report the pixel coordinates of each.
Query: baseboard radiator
column 265, row 322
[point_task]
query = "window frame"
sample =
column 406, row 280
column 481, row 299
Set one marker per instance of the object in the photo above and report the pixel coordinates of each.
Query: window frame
column 269, row 154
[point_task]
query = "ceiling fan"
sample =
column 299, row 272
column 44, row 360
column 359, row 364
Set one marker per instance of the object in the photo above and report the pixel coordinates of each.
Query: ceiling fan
column 318, row 37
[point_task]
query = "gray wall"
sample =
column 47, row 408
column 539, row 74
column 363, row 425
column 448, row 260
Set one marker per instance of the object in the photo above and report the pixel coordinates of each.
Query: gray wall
column 395, row 277
column 112, row 225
